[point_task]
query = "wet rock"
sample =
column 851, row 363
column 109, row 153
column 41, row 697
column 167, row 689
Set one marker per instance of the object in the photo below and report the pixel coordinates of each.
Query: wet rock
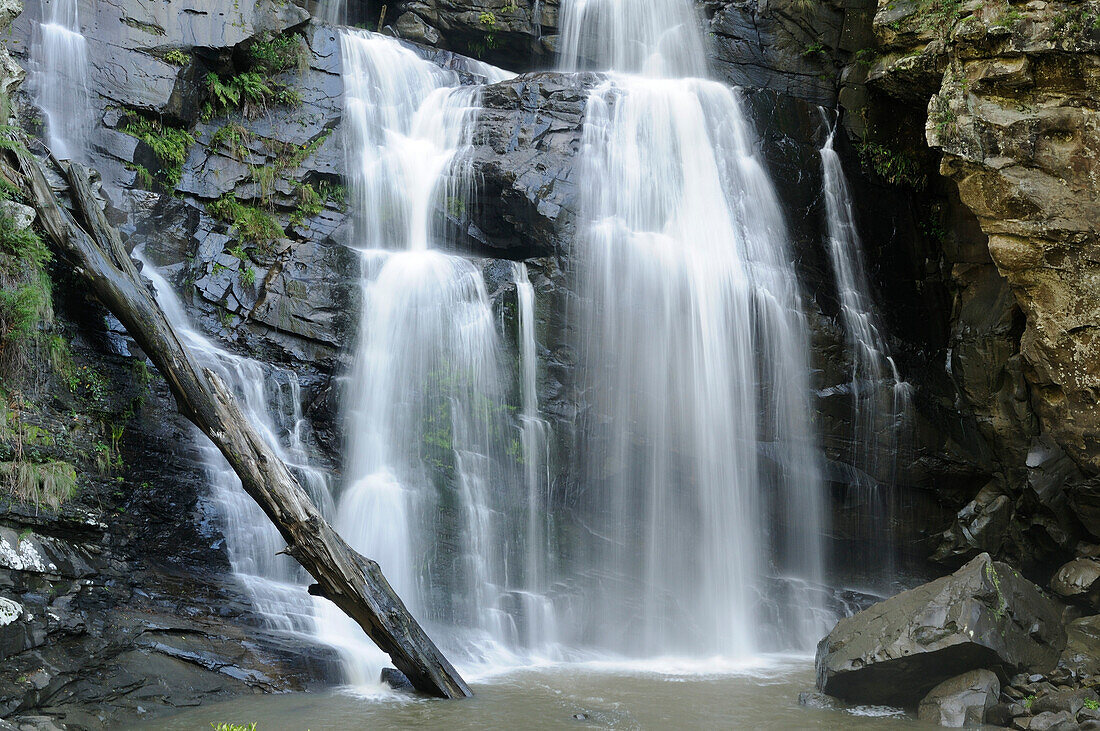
column 984, row 614
column 818, row 700
column 1062, row 721
column 1070, row 701
column 1080, row 580
column 1082, row 654
column 525, row 142
column 395, row 679
column 1001, row 714
column 962, row 700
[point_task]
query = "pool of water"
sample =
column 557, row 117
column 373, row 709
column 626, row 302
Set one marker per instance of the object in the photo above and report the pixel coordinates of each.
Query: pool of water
column 654, row 695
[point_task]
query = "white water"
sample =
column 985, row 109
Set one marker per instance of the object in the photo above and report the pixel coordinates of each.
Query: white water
column 880, row 399
column 271, row 401
column 428, row 428
column 536, row 610
column 59, row 56
column 701, row 462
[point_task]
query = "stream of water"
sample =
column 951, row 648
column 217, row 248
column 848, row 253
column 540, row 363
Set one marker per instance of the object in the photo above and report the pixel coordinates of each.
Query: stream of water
column 880, row 399
column 59, row 57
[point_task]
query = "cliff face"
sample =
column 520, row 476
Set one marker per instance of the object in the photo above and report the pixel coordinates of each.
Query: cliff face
column 1009, row 92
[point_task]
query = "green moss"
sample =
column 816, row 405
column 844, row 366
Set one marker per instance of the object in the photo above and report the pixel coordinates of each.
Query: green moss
column 248, row 222
column 26, row 301
column 169, row 144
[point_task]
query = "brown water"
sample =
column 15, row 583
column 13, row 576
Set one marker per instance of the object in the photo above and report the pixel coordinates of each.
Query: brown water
column 564, row 697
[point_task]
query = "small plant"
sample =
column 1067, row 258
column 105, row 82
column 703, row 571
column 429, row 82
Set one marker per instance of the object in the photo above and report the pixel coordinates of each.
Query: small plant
column 52, row 483
column 1029, row 702
column 272, row 54
column 1092, row 704
column 233, row 726
column 176, row 57
column 248, row 92
column 813, row 49
column 169, row 144
column 249, row 223
column 309, row 204
column 896, row 168
column 248, row 276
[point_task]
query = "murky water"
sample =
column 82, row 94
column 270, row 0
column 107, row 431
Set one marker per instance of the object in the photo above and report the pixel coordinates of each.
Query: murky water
column 761, row 695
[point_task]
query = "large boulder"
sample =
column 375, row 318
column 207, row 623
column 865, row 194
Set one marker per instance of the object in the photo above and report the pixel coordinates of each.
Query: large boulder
column 962, row 700
column 982, row 616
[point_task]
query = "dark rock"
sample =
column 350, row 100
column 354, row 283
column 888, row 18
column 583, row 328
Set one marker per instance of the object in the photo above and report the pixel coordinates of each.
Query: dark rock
column 395, row 679
column 1071, row 701
column 985, row 614
column 1080, row 580
column 812, row 699
column 962, row 700
column 1062, row 721
column 1001, row 714
column 1082, row 653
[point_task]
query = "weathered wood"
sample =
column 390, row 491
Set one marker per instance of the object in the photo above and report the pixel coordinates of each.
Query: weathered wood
column 352, row 582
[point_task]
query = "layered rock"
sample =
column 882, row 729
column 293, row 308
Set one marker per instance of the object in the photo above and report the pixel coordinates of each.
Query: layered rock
column 984, row 615
column 1008, row 92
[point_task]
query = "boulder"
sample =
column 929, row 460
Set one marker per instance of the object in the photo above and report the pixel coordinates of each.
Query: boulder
column 1047, row 721
column 962, row 700
column 984, row 615
column 1082, row 653
column 395, row 679
column 1079, row 580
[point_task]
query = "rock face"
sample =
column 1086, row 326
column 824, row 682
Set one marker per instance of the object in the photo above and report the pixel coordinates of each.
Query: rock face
column 962, row 700
column 1008, row 93
column 983, row 615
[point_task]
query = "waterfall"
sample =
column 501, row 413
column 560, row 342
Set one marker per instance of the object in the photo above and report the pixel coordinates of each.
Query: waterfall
column 427, row 472
column 700, row 463
column 59, row 56
column 536, row 609
column 271, row 401
column 880, row 399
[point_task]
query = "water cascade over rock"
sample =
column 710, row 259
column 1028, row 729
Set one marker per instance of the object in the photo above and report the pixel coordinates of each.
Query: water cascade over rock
column 271, row 401
column 427, row 472
column 880, row 399
column 700, row 463
column 60, row 60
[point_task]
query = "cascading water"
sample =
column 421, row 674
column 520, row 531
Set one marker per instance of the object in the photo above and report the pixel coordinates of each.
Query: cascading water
column 700, row 462
column 271, row 401
column 60, row 59
column 537, row 613
column 880, row 399
column 427, row 472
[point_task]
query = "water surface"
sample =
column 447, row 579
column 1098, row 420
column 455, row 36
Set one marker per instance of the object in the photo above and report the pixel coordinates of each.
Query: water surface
column 592, row 695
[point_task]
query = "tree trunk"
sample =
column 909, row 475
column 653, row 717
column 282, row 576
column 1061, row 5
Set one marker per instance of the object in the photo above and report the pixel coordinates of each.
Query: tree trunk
column 352, row 582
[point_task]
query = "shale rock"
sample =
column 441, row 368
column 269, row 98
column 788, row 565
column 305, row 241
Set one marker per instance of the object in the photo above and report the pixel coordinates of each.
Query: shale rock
column 962, row 700
column 983, row 615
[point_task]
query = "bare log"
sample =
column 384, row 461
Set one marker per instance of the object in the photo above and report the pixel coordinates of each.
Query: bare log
column 352, row 582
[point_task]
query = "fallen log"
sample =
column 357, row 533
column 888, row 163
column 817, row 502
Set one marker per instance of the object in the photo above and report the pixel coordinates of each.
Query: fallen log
column 354, row 583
